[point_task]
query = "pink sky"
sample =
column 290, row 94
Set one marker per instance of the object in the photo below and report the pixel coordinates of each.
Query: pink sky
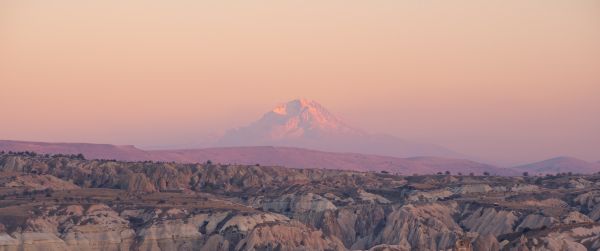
column 509, row 81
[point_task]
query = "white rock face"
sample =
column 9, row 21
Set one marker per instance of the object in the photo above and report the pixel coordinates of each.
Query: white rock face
column 386, row 247
column 98, row 228
column 576, row 217
column 579, row 183
column 99, row 225
column 40, row 182
column 487, row 221
column 519, row 188
column 288, row 234
column 40, row 241
column 247, row 223
column 595, row 213
column 500, row 188
column 373, row 198
column 431, row 196
column 297, row 203
column 553, row 243
column 486, row 243
column 546, row 203
column 101, row 228
column 536, row 221
column 162, row 233
column 426, row 226
column 7, row 240
column 558, row 241
column 473, row 188
column 591, row 201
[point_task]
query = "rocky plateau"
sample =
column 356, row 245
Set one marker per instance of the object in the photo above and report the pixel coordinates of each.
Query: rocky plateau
column 66, row 202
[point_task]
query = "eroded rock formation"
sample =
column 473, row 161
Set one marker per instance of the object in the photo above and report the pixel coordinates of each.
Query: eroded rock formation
column 65, row 203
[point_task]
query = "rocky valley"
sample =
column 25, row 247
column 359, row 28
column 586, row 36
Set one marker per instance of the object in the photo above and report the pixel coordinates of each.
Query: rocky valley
column 65, row 202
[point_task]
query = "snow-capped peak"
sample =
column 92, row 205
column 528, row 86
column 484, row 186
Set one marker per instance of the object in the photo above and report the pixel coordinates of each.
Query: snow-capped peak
column 296, row 106
column 295, row 120
column 305, row 123
column 303, row 113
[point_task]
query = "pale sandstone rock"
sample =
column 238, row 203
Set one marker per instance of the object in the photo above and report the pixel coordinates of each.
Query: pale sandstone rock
column 430, row 196
column 40, row 182
column 247, row 223
column 556, row 242
column 589, row 199
column 576, row 217
column 372, row 198
column 74, row 210
column 536, row 221
column 298, row 203
column 545, row 203
column 40, row 242
column 473, row 188
column 579, row 183
column 215, row 243
column 285, row 236
column 386, row 247
column 486, row 242
column 140, row 183
column 524, row 188
column 8, row 243
column 491, row 221
column 595, row 213
column 427, row 226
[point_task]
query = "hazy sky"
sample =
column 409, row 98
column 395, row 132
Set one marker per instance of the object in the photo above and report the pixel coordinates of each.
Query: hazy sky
column 508, row 80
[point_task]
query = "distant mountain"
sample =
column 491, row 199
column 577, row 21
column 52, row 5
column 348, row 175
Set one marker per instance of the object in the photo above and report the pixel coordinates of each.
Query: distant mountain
column 92, row 151
column 306, row 124
column 280, row 156
column 561, row 165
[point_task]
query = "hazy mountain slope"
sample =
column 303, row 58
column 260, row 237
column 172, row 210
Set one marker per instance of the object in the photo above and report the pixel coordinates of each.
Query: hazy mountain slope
column 304, row 158
column 92, row 151
column 306, row 124
column 282, row 156
column 560, row 165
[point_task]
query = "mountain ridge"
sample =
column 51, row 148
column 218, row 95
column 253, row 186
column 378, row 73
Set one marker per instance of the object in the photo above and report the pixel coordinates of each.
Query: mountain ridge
column 266, row 155
column 305, row 123
column 561, row 164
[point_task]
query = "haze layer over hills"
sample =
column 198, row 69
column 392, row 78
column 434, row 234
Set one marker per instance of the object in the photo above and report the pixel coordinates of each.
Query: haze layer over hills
column 561, row 165
column 303, row 134
column 280, row 156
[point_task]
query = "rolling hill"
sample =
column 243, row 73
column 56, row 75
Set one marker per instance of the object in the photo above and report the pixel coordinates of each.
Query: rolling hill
column 280, row 156
column 561, row 165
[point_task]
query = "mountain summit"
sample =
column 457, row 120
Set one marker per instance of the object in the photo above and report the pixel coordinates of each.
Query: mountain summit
column 301, row 118
column 307, row 124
